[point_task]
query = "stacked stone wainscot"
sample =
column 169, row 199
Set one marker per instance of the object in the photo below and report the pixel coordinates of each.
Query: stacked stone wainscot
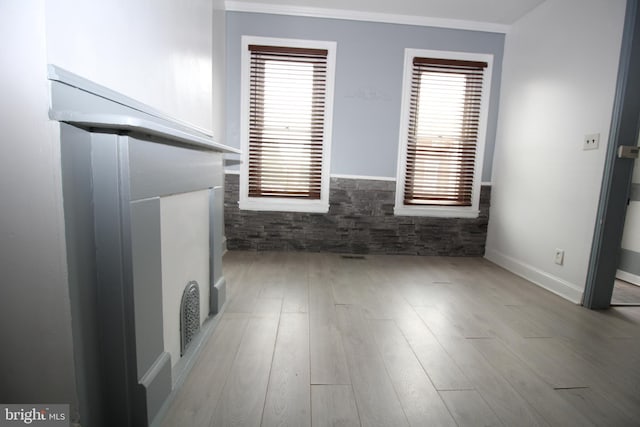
column 360, row 221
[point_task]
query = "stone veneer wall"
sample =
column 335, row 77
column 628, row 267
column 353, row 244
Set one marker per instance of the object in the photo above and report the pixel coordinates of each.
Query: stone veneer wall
column 360, row 221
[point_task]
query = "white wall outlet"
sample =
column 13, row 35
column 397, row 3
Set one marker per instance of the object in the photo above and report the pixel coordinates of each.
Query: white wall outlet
column 591, row 141
column 559, row 256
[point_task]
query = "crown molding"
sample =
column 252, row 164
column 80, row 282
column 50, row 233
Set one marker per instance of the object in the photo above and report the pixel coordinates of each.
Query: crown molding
column 389, row 18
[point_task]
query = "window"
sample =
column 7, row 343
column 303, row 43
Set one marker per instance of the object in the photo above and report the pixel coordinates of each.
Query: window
column 287, row 92
column 442, row 134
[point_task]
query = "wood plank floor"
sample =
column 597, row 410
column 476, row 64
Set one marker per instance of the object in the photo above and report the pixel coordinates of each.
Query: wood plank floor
column 322, row 340
column 625, row 293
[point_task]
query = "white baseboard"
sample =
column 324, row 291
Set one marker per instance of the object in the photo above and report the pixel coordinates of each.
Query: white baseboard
column 628, row 277
column 184, row 366
column 541, row 278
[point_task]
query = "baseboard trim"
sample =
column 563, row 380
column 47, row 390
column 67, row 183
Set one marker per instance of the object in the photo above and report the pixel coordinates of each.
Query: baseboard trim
column 183, row 367
column 156, row 384
column 628, row 277
column 558, row 286
column 218, row 296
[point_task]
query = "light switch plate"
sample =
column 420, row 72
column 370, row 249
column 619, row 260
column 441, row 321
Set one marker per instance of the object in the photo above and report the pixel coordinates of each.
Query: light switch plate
column 559, row 256
column 591, row 141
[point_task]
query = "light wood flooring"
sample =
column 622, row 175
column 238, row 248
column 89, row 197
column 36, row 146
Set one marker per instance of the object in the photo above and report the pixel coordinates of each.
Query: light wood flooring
column 625, row 293
column 317, row 339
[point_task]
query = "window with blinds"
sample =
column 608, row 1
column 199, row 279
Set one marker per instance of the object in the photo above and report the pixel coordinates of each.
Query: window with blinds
column 287, row 106
column 442, row 139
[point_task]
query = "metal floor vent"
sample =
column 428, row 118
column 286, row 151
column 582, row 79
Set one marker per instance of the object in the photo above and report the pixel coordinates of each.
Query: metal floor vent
column 353, row 256
column 189, row 315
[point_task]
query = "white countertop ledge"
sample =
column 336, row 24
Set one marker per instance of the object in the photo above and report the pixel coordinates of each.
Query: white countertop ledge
column 137, row 125
column 83, row 103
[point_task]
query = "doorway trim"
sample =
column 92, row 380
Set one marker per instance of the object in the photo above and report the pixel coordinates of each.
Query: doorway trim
column 616, row 181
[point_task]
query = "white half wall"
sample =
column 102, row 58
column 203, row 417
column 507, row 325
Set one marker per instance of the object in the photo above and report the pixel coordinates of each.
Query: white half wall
column 156, row 52
column 559, row 77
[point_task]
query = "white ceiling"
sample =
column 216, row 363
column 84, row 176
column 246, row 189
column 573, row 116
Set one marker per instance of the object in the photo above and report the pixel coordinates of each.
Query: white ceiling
column 504, row 12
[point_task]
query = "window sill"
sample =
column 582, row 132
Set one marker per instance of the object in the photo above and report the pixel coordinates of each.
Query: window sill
column 283, row 205
column 437, row 212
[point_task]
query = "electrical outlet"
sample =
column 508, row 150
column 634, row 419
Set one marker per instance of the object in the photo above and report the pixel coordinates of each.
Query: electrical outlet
column 559, row 256
column 591, row 141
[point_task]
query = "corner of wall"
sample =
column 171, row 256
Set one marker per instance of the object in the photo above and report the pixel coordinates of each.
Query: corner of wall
column 546, row 187
column 558, row 286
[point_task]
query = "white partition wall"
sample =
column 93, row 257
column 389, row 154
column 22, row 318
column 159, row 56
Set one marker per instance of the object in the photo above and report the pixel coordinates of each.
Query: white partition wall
column 545, row 186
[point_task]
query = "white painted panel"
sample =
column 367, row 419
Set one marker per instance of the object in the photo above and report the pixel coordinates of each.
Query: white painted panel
column 559, row 79
column 157, row 52
column 185, row 256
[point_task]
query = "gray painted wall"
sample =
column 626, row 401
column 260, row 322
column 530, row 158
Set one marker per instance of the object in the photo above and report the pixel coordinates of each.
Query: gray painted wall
column 368, row 85
column 635, row 192
column 75, row 146
column 630, row 261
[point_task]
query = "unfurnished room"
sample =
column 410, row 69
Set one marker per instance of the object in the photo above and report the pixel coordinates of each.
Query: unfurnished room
column 320, row 213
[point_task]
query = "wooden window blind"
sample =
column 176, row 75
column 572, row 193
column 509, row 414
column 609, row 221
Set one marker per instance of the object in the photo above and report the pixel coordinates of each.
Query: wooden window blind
column 286, row 121
column 444, row 115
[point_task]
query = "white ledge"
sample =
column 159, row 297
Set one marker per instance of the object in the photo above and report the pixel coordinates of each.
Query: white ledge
column 137, row 125
column 81, row 102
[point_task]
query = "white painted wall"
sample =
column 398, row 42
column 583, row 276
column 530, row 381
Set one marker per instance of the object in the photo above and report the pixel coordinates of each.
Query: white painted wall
column 36, row 356
column 155, row 51
column 184, row 222
column 168, row 44
column 219, row 71
column 559, row 76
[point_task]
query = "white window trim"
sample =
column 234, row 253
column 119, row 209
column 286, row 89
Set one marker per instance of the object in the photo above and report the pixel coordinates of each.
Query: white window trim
column 441, row 211
column 280, row 203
